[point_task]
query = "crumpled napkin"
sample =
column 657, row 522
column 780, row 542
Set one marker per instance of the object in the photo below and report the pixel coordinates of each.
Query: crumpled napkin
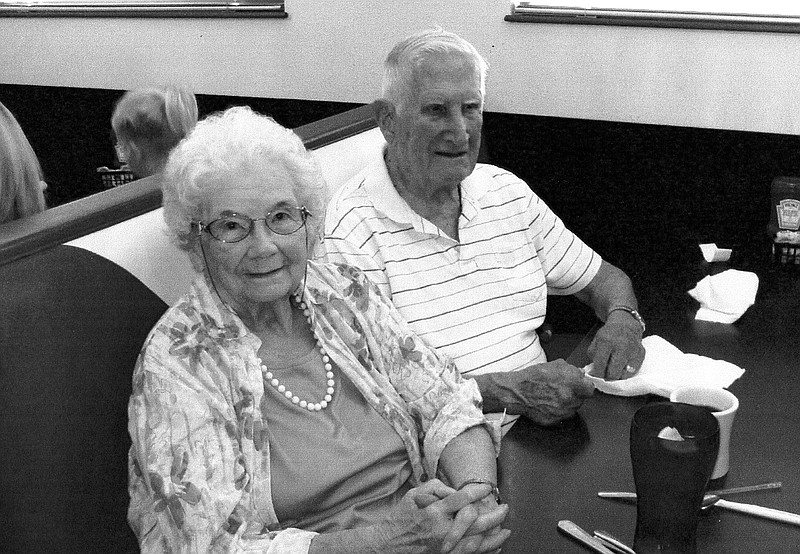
column 724, row 297
column 666, row 368
column 713, row 253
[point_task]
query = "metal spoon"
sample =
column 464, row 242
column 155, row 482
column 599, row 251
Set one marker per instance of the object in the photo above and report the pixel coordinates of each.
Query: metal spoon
column 708, row 501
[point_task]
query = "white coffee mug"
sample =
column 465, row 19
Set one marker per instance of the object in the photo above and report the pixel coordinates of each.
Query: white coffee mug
column 723, row 405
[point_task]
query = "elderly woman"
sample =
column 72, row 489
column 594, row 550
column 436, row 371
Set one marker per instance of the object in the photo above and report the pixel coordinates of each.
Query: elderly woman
column 149, row 122
column 284, row 405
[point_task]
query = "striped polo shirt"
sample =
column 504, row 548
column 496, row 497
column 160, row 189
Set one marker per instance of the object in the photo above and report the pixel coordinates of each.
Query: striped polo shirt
column 479, row 299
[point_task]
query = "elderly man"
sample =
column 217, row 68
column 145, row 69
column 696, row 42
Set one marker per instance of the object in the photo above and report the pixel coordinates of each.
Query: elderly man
column 467, row 252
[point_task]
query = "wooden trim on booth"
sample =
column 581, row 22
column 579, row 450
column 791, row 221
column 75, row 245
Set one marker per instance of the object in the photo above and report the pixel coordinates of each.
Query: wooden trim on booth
column 337, row 127
column 64, row 223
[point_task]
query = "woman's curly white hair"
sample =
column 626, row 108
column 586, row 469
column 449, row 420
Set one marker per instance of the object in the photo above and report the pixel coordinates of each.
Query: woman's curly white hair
column 227, row 141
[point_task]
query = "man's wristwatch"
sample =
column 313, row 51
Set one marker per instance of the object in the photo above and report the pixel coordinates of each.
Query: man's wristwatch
column 636, row 315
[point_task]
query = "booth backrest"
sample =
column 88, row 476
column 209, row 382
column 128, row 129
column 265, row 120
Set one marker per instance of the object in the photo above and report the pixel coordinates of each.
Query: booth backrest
column 71, row 325
column 141, row 244
column 81, row 285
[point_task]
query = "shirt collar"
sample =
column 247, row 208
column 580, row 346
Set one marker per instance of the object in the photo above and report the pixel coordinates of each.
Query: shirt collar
column 379, row 188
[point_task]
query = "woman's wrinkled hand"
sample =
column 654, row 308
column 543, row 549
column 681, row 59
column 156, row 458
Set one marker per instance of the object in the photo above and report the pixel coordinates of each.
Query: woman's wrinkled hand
column 486, row 533
column 436, row 518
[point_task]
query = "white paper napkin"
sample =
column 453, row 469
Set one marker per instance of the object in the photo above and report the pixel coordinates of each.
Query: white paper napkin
column 724, row 297
column 713, row 253
column 666, row 368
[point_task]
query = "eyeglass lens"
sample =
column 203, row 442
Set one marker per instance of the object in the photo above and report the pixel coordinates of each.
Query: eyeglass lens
column 234, row 227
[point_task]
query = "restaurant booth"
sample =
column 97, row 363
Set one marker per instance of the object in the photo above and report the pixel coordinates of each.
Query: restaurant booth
column 82, row 284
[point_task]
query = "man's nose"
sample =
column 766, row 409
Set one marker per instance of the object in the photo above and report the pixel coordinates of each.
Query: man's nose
column 459, row 126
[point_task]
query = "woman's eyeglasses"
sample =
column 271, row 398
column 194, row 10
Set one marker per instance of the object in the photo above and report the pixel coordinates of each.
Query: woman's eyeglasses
column 235, row 227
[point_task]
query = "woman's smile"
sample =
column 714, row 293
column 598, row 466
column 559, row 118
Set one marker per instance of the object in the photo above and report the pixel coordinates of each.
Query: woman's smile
column 264, row 273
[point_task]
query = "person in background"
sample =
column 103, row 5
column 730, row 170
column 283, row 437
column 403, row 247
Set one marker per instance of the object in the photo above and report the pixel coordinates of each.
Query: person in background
column 466, row 251
column 21, row 184
column 284, row 405
column 149, row 122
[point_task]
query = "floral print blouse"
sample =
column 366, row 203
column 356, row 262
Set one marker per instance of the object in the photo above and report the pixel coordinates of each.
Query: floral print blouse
column 199, row 466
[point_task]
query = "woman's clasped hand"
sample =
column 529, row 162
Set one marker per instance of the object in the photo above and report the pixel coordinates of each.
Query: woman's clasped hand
column 456, row 521
column 431, row 518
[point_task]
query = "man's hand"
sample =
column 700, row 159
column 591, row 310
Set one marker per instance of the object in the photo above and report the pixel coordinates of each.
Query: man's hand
column 545, row 393
column 616, row 349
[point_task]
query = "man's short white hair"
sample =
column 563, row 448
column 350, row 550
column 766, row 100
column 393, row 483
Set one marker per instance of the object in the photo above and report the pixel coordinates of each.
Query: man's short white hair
column 409, row 54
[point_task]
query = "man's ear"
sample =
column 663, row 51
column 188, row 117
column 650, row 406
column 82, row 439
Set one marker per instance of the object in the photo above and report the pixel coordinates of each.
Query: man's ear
column 385, row 113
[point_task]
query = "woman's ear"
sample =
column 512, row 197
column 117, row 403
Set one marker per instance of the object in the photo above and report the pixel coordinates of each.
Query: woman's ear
column 196, row 256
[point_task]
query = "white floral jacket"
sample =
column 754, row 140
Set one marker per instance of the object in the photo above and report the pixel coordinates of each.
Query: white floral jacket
column 199, row 467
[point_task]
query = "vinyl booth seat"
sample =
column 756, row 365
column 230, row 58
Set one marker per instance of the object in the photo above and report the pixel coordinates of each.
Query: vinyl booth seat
column 71, row 325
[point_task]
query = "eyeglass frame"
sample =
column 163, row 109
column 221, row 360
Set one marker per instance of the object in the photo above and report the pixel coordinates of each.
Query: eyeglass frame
column 304, row 214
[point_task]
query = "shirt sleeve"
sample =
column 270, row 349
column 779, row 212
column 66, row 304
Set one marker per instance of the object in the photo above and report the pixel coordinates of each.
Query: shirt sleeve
column 441, row 402
column 569, row 264
column 188, row 478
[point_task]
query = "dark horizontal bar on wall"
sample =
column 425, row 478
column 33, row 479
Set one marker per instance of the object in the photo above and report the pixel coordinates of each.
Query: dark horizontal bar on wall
column 651, row 18
column 42, row 8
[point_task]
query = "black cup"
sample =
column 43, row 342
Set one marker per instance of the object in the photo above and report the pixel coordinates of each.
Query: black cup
column 671, row 475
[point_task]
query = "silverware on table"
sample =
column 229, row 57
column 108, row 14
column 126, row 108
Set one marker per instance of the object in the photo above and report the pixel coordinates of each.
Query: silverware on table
column 720, row 492
column 613, row 542
column 713, row 498
column 753, row 509
column 579, row 534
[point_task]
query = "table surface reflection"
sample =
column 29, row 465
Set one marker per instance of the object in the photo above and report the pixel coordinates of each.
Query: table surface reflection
column 549, row 474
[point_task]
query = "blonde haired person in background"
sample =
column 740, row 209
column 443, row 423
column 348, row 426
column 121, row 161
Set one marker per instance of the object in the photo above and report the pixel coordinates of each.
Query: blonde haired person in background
column 149, row 123
column 21, row 185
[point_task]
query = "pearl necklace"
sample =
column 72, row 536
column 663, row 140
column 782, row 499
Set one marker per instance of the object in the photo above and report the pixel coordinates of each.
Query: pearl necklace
column 304, row 404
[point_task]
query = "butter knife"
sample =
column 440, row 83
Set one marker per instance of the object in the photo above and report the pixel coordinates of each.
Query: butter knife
column 571, row 529
column 760, row 511
column 613, row 542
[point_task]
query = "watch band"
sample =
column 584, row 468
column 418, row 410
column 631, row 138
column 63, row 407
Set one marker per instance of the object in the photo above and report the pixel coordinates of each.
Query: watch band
column 495, row 490
column 636, row 315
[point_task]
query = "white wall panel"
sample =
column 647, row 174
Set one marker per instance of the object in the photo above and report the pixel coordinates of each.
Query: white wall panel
column 333, row 51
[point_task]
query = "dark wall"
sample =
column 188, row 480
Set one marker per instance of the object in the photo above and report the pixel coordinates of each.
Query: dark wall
column 70, row 129
column 642, row 195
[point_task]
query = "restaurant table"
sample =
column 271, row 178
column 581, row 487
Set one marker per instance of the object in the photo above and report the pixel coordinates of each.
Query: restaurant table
column 550, row 474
